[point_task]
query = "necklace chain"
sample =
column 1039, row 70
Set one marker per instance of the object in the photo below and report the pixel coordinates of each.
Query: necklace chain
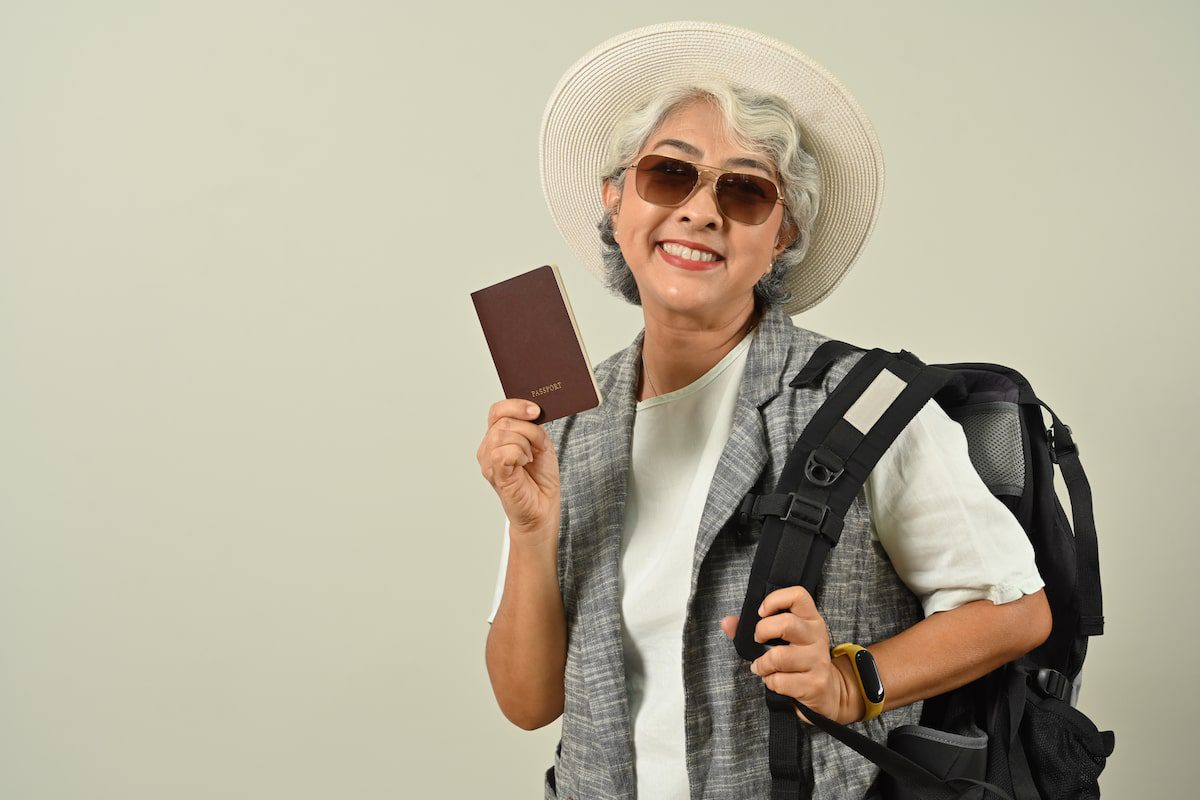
column 646, row 371
column 652, row 386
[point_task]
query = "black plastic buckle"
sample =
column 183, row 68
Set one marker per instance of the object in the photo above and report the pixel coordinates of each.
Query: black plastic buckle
column 1055, row 451
column 1052, row 683
column 820, row 473
column 746, row 532
column 811, row 516
column 746, row 509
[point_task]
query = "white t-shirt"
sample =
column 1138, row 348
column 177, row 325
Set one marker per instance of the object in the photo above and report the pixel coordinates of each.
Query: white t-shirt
column 950, row 540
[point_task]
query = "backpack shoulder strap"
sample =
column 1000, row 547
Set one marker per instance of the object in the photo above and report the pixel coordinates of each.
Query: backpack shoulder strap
column 803, row 518
column 818, row 363
column 827, row 467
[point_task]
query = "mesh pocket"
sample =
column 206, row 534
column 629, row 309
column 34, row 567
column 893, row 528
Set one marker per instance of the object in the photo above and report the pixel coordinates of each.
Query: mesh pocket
column 1066, row 751
column 994, row 443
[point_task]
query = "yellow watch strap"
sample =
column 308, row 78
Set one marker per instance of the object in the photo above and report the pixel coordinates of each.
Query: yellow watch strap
column 848, row 649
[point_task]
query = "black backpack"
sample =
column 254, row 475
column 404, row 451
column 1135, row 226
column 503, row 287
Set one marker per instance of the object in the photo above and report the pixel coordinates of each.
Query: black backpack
column 1014, row 733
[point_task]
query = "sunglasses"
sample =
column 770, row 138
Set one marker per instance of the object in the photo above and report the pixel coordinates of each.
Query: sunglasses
column 666, row 181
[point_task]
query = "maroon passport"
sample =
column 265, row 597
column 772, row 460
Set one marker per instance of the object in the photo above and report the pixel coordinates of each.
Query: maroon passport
column 535, row 343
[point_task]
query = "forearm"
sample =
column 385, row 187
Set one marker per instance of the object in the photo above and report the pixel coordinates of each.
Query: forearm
column 527, row 644
column 951, row 648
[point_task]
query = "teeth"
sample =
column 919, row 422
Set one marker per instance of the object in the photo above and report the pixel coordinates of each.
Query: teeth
column 687, row 252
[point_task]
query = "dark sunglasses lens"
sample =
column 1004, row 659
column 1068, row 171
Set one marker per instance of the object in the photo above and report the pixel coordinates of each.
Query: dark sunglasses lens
column 665, row 181
column 746, row 198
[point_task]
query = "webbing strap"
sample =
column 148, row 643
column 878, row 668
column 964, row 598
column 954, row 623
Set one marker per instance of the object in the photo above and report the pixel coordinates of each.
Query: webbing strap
column 1091, row 603
column 788, row 780
column 909, row 773
column 1083, row 521
column 1009, row 710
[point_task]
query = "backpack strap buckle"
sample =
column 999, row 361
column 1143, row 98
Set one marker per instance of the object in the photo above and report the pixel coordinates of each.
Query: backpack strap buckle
column 1052, row 683
column 748, row 513
column 1061, row 447
column 791, row 508
column 814, row 517
column 749, row 510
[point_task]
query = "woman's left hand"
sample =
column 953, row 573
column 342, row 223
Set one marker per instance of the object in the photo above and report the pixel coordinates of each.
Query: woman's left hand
column 802, row 669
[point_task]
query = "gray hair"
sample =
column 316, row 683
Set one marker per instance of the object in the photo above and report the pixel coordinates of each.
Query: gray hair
column 759, row 122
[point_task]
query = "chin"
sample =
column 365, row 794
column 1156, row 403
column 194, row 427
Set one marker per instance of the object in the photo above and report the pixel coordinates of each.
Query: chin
column 686, row 302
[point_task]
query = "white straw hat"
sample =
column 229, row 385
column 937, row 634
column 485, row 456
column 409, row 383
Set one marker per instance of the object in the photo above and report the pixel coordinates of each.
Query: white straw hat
column 624, row 72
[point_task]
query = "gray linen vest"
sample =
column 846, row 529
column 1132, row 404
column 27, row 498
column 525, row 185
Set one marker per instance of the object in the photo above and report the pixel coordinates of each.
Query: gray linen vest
column 725, row 719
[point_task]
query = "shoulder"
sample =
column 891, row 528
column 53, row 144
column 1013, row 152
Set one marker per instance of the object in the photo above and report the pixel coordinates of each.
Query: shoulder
column 607, row 373
column 606, row 369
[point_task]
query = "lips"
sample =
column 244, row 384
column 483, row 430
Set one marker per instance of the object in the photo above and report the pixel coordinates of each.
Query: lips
column 693, row 246
column 683, row 263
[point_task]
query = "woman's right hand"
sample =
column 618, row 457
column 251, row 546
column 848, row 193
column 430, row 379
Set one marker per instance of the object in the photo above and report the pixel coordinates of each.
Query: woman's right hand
column 518, row 460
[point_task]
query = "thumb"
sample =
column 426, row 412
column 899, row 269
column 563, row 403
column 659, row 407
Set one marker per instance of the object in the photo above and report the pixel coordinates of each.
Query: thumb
column 729, row 626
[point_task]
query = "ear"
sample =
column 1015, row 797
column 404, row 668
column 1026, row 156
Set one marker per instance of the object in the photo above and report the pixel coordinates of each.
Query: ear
column 787, row 234
column 612, row 201
column 610, row 197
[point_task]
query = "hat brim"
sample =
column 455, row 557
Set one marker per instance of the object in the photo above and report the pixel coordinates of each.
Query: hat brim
column 624, row 72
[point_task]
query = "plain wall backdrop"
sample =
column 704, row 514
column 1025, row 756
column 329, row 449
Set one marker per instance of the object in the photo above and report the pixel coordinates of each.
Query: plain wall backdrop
column 245, row 547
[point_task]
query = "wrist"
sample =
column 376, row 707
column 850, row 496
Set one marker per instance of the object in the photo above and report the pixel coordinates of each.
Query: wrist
column 852, row 706
column 866, row 677
column 533, row 539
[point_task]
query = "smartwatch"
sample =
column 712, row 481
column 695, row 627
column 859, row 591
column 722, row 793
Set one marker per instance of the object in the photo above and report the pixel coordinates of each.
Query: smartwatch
column 869, row 682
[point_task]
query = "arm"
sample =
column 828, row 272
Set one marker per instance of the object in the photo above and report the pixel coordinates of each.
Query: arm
column 527, row 645
column 951, row 648
column 952, row 542
column 939, row 653
column 526, row 649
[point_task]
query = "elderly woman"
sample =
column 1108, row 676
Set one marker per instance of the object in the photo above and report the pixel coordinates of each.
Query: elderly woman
column 730, row 197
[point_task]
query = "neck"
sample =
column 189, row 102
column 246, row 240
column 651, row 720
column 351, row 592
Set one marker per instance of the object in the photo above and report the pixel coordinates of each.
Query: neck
column 677, row 350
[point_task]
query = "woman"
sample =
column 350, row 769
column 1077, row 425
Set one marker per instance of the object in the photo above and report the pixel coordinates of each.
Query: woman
column 732, row 197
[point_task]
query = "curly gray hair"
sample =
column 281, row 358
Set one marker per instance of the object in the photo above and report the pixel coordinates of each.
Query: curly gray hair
column 759, row 122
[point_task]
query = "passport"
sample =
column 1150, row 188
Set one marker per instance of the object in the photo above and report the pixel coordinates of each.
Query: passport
column 535, row 343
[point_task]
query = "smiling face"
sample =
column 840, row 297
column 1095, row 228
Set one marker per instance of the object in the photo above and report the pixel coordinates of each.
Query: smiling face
column 670, row 284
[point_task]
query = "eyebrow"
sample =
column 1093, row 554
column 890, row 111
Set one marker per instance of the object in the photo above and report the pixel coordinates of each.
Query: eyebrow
column 696, row 152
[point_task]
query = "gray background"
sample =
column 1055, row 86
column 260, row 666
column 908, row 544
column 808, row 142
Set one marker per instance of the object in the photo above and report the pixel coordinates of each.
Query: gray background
column 245, row 548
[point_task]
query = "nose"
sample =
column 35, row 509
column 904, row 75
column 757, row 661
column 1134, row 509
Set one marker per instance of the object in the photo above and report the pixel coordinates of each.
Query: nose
column 701, row 205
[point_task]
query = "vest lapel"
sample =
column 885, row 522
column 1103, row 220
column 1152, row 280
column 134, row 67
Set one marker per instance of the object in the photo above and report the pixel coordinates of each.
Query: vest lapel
column 745, row 453
column 604, row 440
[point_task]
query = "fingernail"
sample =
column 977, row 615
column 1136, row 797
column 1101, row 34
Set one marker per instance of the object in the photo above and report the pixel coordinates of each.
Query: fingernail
column 754, row 667
column 531, row 410
column 761, row 610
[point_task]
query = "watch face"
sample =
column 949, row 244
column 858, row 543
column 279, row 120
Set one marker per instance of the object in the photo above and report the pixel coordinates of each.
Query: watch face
column 869, row 675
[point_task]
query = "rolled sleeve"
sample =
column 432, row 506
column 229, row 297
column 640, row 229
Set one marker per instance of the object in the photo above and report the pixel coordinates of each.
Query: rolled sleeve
column 499, row 592
column 948, row 537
